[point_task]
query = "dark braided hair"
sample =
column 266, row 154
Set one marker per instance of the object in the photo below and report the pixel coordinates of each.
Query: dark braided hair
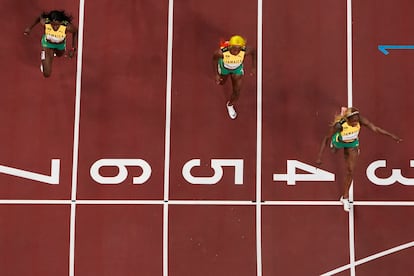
column 57, row 15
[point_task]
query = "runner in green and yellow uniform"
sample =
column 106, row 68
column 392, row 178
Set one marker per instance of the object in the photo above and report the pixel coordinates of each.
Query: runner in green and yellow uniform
column 228, row 61
column 57, row 24
column 343, row 134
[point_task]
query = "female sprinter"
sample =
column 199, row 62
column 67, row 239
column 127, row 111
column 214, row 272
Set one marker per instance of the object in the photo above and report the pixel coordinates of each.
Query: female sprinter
column 228, row 60
column 343, row 134
column 57, row 24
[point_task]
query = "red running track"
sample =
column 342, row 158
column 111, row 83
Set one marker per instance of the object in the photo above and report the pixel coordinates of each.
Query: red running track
column 135, row 106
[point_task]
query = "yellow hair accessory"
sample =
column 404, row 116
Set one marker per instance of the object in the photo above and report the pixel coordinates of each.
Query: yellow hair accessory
column 237, row 40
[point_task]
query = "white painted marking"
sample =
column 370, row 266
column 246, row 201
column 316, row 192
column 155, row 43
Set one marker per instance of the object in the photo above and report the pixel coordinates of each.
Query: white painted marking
column 167, row 134
column 217, row 165
column 76, row 139
column 370, row 258
column 313, row 173
column 122, row 165
column 52, row 179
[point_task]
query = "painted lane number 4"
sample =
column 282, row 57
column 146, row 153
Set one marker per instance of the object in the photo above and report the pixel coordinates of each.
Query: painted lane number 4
column 312, row 173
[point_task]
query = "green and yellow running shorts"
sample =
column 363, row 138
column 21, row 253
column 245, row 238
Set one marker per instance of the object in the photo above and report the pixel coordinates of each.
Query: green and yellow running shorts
column 224, row 71
column 58, row 46
column 337, row 143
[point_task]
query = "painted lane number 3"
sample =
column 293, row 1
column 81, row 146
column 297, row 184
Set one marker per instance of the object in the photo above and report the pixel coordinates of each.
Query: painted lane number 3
column 395, row 177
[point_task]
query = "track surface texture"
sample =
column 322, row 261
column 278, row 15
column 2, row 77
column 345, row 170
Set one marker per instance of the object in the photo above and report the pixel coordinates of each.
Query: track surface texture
column 125, row 161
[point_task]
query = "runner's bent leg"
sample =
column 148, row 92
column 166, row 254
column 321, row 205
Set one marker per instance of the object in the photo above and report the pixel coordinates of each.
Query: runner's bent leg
column 237, row 84
column 47, row 62
column 351, row 157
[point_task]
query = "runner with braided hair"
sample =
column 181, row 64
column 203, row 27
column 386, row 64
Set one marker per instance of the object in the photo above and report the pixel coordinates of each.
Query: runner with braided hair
column 343, row 134
column 57, row 24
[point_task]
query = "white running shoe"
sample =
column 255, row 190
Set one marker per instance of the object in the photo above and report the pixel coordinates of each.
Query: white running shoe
column 41, row 67
column 232, row 112
column 346, row 203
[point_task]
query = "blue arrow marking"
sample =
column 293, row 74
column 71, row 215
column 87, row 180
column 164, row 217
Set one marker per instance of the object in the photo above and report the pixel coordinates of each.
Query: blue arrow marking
column 384, row 48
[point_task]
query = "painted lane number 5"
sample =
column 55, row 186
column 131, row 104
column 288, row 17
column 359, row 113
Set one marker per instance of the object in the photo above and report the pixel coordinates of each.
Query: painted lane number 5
column 217, row 165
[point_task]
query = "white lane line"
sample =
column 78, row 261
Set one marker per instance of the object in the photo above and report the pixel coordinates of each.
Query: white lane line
column 36, row 201
column 384, row 203
column 199, row 202
column 259, row 138
column 72, row 239
column 350, row 103
column 351, row 222
column 76, row 140
column 303, row 203
column 370, row 258
column 349, row 50
column 167, row 135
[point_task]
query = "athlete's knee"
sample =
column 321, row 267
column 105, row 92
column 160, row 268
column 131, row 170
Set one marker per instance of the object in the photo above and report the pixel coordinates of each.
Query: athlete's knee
column 350, row 171
column 236, row 93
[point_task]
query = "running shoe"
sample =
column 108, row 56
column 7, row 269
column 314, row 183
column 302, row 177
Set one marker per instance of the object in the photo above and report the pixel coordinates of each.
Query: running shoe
column 232, row 112
column 346, row 203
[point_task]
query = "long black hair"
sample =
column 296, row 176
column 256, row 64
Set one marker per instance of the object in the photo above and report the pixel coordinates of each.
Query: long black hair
column 57, row 15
